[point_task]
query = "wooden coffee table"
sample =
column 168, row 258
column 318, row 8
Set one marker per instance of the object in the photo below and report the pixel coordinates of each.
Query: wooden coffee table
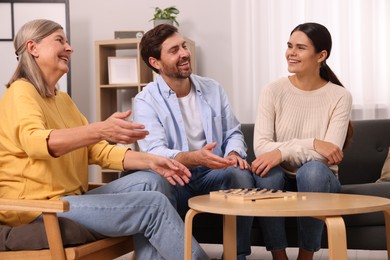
column 328, row 207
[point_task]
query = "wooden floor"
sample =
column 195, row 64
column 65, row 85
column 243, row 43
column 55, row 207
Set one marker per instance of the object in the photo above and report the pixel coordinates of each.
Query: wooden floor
column 259, row 253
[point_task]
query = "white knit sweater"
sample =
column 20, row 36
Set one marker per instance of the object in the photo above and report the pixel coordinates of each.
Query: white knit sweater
column 289, row 119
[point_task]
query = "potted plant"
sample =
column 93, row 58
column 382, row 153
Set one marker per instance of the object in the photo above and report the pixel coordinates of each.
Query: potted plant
column 167, row 15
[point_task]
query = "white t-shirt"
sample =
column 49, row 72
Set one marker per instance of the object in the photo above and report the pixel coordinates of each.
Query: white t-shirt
column 192, row 122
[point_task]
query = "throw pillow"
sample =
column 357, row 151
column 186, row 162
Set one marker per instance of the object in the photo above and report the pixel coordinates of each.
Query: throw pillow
column 385, row 175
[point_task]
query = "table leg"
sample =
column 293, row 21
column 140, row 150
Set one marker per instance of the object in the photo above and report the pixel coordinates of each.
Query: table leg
column 229, row 237
column 337, row 238
column 387, row 222
column 188, row 233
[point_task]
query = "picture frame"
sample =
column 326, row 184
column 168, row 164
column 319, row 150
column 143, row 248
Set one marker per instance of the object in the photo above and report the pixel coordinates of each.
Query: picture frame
column 122, row 70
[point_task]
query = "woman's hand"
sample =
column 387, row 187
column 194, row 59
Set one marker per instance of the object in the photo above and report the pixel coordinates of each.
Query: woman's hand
column 117, row 129
column 170, row 169
column 330, row 151
column 265, row 162
column 114, row 129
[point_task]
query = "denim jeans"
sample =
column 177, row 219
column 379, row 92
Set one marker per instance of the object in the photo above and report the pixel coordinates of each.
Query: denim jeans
column 204, row 180
column 135, row 205
column 313, row 176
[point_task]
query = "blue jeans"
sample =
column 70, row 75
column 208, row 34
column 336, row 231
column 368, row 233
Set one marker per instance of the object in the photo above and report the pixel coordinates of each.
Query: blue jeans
column 204, row 180
column 313, row 176
column 135, row 205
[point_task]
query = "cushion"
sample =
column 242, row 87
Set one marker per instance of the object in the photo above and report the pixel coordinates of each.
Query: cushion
column 33, row 236
column 385, row 175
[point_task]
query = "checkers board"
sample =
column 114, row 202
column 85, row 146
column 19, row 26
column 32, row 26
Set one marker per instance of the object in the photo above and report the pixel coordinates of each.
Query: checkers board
column 251, row 194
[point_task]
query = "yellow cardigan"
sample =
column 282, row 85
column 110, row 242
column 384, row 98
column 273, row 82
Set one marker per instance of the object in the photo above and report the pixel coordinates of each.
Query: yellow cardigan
column 27, row 170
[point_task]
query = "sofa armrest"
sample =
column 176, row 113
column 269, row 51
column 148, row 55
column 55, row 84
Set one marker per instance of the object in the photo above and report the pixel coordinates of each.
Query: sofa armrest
column 381, row 189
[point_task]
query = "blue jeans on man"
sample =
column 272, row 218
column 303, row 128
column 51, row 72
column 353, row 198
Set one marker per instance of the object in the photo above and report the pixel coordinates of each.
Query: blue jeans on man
column 204, row 180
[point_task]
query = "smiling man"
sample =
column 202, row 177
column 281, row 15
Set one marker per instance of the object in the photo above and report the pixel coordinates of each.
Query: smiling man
column 189, row 118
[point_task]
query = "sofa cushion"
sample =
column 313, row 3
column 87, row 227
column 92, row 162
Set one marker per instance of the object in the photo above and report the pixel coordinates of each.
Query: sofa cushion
column 385, row 174
column 33, row 236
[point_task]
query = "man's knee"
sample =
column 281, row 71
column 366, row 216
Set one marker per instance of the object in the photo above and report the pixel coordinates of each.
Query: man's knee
column 240, row 178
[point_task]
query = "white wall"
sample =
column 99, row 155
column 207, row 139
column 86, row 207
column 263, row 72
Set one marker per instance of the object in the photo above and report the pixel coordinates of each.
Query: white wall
column 92, row 20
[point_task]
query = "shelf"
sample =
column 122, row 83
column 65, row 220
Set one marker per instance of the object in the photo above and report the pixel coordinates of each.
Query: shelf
column 116, row 86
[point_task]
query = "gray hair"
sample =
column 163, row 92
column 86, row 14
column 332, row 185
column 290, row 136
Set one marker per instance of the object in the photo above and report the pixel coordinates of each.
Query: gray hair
column 27, row 68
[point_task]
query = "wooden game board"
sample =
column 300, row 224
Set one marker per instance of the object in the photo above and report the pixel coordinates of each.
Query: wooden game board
column 251, row 194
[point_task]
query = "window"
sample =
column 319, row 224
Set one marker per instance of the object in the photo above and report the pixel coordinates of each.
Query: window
column 360, row 54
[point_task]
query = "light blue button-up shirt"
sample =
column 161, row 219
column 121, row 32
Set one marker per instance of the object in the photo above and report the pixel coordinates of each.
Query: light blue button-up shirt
column 157, row 107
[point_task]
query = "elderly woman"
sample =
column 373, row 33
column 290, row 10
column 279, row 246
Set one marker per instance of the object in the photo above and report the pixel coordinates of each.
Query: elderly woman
column 46, row 145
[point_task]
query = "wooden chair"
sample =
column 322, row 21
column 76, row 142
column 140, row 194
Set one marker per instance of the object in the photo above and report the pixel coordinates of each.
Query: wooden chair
column 106, row 248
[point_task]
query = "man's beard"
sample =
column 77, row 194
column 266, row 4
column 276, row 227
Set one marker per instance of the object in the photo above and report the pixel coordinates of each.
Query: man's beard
column 182, row 75
column 187, row 73
column 175, row 72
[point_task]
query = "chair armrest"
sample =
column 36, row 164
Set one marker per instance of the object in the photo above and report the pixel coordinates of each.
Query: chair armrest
column 34, row 205
column 54, row 206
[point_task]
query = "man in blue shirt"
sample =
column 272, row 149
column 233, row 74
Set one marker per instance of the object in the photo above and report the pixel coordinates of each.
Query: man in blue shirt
column 190, row 119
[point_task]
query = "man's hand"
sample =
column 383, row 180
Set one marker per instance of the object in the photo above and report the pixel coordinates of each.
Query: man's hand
column 205, row 157
column 117, row 129
column 330, row 151
column 236, row 160
column 265, row 162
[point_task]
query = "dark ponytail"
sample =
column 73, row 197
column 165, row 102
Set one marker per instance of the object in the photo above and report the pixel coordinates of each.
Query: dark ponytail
column 327, row 74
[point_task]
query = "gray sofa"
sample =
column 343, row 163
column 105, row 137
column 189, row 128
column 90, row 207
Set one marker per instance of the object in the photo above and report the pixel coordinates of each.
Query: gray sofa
column 359, row 170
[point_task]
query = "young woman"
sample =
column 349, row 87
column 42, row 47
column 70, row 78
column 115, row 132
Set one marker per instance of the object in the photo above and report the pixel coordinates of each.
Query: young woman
column 46, row 145
column 301, row 127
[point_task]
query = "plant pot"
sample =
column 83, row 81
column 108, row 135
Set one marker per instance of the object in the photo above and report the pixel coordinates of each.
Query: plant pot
column 162, row 21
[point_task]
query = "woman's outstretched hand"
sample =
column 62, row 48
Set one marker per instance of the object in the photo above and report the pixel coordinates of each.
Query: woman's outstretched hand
column 170, row 169
column 117, row 129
